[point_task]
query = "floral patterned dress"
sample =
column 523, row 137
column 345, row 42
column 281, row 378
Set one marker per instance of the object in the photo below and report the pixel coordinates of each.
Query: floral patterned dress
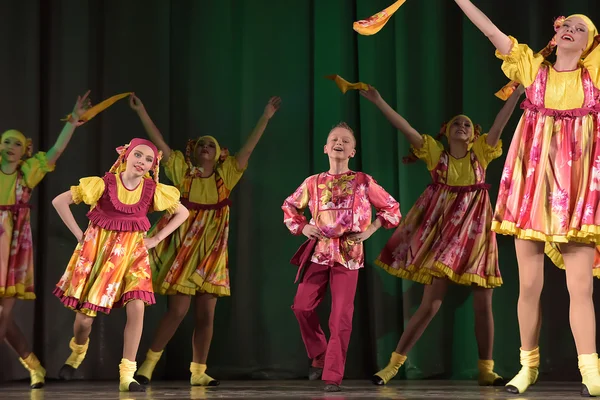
column 550, row 187
column 16, row 247
column 111, row 265
column 447, row 233
column 194, row 258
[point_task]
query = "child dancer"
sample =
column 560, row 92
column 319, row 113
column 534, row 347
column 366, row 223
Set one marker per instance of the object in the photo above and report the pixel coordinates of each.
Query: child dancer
column 20, row 172
column 110, row 266
column 194, row 260
column 548, row 197
column 340, row 203
column 446, row 236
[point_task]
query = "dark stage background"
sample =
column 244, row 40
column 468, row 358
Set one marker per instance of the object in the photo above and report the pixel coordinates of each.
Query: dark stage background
column 209, row 66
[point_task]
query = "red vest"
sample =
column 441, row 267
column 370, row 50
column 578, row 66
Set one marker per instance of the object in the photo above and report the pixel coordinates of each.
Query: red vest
column 110, row 214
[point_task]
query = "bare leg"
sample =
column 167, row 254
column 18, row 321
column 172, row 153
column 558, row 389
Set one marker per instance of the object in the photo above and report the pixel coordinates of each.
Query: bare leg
column 179, row 305
column 484, row 321
column 133, row 328
column 530, row 256
column 7, row 304
column 16, row 340
column 82, row 328
column 131, row 343
column 205, row 315
column 579, row 261
column 433, row 295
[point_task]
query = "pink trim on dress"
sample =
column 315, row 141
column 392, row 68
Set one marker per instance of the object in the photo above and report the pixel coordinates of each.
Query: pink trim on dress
column 75, row 304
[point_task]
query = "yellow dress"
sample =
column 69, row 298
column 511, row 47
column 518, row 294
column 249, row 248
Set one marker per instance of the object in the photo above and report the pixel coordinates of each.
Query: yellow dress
column 16, row 245
column 111, row 266
column 550, row 186
column 194, row 258
column 447, row 233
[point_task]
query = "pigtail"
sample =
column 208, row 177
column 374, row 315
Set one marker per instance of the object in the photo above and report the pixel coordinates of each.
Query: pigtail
column 189, row 149
column 156, row 169
column 224, row 154
column 29, row 148
column 120, row 160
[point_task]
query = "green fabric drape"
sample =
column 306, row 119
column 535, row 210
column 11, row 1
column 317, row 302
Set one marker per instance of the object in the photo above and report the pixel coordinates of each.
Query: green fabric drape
column 209, row 67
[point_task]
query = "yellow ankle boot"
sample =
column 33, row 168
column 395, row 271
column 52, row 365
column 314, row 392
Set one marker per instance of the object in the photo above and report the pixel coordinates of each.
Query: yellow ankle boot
column 530, row 361
column 200, row 377
column 144, row 373
column 588, row 366
column 487, row 376
column 78, row 352
column 390, row 371
column 36, row 371
column 126, row 382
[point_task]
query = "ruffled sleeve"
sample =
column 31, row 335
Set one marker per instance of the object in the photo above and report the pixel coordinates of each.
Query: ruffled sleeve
column 430, row 152
column 35, row 168
column 166, row 198
column 230, row 172
column 484, row 152
column 592, row 64
column 88, row 191
column 176, row 167
column 521, row 65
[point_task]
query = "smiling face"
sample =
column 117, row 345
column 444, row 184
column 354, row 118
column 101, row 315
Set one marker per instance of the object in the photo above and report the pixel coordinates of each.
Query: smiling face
column 573, row 35
column 206, row 150
column 140, row 160
column 340, row 144
column 461, row 130
column 12, row 149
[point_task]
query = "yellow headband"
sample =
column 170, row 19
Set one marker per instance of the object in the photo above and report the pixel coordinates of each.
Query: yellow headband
column 15, row 134
column 217, row 147
column 449, row 124
column 592, row 31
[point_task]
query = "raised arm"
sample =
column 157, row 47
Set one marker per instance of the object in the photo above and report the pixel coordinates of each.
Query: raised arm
column 62, row 204
column 500, row 40
column 415, row 139
column 244, row 154
column 81, row 105
column 136, row 104
column 503, row 116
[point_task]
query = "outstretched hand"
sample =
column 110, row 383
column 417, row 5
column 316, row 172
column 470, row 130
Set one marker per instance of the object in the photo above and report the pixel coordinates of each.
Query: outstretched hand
column 372, row 94
column 272, row 106
column 135, row 103
column 81, row 106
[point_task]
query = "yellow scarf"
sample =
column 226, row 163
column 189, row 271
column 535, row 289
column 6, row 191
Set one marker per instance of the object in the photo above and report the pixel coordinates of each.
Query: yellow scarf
column 98, row 108
column 375, row 23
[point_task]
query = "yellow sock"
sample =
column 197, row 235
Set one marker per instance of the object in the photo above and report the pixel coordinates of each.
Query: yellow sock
column 530, row 361
column 588, row 366
column 37, row 373
column 487, row 376
column 199, row 375
column 149, row 363
column 78, row 352
column 126, row 370
column 390, row 371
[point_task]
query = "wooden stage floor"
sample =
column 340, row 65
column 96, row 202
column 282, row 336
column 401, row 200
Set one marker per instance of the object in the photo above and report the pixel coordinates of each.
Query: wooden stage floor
column 298, row 389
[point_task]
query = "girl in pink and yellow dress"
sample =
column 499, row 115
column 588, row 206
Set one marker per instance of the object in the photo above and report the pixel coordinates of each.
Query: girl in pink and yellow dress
column 446, row 235
column 193, row 261
column 549, row 197
column 20, row 173
column 110, row 266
